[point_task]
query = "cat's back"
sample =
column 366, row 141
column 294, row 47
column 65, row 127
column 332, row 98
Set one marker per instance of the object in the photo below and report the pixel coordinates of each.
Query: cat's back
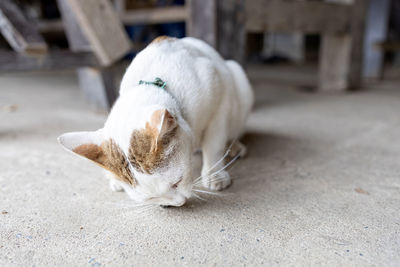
column 181, row 62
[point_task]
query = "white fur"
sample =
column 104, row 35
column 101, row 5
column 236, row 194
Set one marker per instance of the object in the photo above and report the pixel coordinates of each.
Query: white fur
column 211, row 99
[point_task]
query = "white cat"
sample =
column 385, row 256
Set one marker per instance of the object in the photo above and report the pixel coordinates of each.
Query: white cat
column 177, row 96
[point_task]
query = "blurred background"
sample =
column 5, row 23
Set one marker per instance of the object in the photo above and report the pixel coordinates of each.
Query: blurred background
column 320, row 184
column 344, row 44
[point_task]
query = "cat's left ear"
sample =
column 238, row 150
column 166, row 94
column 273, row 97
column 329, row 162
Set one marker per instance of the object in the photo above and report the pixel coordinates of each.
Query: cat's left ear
column 163, row 122
column 84, row 144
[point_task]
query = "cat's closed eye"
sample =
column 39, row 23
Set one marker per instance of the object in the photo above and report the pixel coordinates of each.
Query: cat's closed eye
column 175, row 185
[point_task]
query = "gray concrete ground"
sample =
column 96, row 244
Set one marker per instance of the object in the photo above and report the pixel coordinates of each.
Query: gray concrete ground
column 320, row 186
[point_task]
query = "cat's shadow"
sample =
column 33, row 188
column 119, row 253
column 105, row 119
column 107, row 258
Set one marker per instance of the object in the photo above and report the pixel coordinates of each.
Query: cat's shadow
column 264, row 149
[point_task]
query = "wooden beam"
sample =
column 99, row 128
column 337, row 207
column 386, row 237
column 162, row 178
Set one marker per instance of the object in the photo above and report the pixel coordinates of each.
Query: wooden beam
column 297, row 16
column 155, row 15
column 50, row 25
column 76, row 38
column 12, row 61
column 103, row 29
column 20, row 33
column 140, row 16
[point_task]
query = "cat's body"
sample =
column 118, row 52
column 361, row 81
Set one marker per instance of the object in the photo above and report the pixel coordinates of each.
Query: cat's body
column 150, row 136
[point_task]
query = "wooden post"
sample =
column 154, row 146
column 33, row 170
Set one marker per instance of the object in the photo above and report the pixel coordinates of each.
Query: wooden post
column 221, row 24
column 231, row 29
column 97, row 84
column 376, row 30
column 20, row 33
column 340, row 65
column 202, row 21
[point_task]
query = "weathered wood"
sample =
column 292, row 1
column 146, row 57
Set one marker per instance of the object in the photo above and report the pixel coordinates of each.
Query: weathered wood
column 334, row 62
column 12, row 61
column 21, row 33
column 359, row 13
column 231, row 29
column 103, row 29
column 155, row 15
column 120, row 6
column 50, row 25
column 340, row 65
column 76, row 38
column 297, row 16
column 376, row 31
column 98, row 87
column 96, row 83
column 202, row 22
column 131, row 17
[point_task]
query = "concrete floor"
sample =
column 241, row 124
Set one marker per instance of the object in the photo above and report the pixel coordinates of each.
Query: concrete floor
column 321, row 185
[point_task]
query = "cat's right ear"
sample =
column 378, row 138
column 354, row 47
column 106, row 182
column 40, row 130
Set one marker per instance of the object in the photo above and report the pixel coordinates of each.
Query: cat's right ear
column 85, row 144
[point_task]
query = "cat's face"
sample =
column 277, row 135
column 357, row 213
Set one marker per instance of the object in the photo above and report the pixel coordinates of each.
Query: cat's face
column 152, row 163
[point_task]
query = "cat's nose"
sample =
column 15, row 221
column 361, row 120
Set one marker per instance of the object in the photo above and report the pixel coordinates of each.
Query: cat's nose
column 175, row 203
column 179, row 201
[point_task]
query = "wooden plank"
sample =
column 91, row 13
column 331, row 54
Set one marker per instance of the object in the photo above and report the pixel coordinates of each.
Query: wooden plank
column 98, row 87
column 202, row 22
column 20, row 33
column 103, row 29
column 50, row 25
column 12, row 61
column 231, row 29
column 340, row 65
column 297, row 16
column 76, row 38
column 155, row 15
column 141, row 16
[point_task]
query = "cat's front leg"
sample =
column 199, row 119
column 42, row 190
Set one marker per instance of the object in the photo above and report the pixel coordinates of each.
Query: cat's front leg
column 213, row 177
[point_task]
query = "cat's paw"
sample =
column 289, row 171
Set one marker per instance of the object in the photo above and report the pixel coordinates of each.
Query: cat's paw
column 238, row 149
column 217, row 182
column 115, row 186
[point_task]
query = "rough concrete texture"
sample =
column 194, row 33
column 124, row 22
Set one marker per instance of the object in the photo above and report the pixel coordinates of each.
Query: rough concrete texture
column 320, row 185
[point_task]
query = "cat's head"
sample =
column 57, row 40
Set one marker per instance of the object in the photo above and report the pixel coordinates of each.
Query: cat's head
column 151, row 162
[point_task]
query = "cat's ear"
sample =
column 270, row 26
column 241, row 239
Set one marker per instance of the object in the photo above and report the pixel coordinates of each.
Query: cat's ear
column 163, row 122
column 85, row 144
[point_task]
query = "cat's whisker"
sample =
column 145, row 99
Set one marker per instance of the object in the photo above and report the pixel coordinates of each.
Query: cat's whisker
column 208, row 192
column 197, row 196
column 199, row 182
column 228, row 150
column 226, row 166
column 145, row 209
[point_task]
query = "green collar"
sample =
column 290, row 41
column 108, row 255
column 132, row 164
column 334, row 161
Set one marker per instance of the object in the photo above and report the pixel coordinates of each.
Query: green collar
column 157, row 82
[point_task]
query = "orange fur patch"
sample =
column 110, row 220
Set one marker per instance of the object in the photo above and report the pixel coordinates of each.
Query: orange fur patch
column 109, row 156
column 147, row 146
column 162, row 38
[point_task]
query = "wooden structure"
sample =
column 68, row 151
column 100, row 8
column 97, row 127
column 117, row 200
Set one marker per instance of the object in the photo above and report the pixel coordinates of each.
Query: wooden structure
column 96, row 36
column 341, row 23
column 94, row 29
column 97, row 39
